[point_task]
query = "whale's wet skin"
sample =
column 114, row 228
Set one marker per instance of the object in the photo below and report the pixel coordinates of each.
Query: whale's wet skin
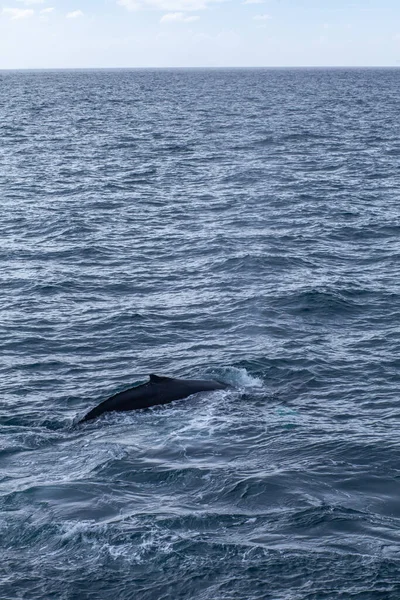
column 234, row 226
column 158, row 390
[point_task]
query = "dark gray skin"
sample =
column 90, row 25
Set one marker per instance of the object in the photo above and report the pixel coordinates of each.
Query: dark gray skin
column 159, row 390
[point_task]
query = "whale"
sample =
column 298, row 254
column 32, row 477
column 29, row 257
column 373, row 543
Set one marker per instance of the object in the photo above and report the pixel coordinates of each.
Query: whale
column 158, row 390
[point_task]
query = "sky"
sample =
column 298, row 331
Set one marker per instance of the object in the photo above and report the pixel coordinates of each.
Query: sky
column 198, row 33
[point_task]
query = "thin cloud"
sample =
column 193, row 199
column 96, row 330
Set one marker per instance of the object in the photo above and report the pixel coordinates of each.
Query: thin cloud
column 178, row 17
column 254, row 2
column 166, row 5
column 130, row 5
column 30, row 2
column 46, row 11
column 261, row 17
column 75, row 14
column 18, row 13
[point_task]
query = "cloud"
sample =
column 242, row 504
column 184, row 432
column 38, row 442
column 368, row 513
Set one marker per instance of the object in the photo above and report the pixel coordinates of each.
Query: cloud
column 29, row 2
column 178, row 17
column 18, row 13
column 262, row 17
column 129, row 4
column 75, row 14
column 166, row 5
column 46, row 11
column 254, row 2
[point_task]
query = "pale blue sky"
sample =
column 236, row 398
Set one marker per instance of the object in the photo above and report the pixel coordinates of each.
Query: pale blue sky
column 185, row 33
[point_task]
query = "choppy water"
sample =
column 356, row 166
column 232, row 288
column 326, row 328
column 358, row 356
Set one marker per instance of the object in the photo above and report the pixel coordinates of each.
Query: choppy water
column 239, row 224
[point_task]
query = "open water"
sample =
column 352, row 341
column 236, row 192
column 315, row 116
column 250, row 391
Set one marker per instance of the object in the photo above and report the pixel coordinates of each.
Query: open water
column 240, row 224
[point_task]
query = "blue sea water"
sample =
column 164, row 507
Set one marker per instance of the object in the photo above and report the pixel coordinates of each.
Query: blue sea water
column 240, row 224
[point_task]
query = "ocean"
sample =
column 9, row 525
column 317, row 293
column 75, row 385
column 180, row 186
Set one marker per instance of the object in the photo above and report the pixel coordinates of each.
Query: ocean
column 242, row 225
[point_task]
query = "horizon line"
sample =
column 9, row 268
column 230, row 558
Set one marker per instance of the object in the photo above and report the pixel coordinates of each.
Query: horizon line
column 199, row 68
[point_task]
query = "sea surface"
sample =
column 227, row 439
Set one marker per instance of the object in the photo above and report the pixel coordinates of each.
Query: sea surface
column 236, row 224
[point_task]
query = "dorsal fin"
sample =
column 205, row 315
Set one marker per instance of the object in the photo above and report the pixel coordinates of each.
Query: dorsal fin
column 157, row 378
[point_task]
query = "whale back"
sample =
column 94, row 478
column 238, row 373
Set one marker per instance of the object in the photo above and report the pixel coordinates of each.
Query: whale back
column 158, row 390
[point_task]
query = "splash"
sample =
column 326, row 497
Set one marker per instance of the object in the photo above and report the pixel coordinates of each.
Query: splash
column 238, row 377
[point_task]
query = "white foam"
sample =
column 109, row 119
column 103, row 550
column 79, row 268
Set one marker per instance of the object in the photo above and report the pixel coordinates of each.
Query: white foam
column 72, row 529
column 239, row 377
column 100, row 539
